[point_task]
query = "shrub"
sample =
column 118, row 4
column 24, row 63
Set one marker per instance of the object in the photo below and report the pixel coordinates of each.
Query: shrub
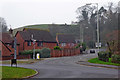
column 57, row 48
column 45, row 53
column 115, row 58
column 76, row 46
column 110, row 54
column 37, row 51
column 27, row 52
column 103, row 56
column 83, row 47
column 31, row 52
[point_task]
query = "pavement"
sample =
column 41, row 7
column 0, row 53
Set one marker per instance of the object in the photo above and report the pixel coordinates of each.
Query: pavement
column 67, row 67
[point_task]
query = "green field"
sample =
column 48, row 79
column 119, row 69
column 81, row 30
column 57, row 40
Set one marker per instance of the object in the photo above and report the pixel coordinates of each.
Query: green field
column 97, row 61
column 13, row 72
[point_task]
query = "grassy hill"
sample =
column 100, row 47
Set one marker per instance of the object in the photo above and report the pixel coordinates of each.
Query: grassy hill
column 54, row 28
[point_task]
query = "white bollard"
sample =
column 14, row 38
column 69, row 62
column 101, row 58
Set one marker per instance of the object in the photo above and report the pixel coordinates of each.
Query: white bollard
column 38, row 56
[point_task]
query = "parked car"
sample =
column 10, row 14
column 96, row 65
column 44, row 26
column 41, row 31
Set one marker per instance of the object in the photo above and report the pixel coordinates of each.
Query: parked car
column 92, row 51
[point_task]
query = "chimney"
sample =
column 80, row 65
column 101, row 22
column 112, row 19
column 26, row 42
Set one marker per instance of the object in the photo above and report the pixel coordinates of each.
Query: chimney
column 11, row 31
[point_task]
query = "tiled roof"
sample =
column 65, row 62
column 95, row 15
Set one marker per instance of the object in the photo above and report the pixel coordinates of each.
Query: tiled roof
column 6, row 38
column 39, row 35
column 66, row 38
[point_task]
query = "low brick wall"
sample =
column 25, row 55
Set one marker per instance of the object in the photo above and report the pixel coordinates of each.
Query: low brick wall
column 65, row 52
column 18, row 57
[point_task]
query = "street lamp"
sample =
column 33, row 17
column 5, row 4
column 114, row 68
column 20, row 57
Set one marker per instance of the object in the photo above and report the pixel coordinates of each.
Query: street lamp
column 98, row 36
column 33, row 46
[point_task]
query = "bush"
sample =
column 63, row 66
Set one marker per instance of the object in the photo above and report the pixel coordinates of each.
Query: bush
column 103, row 56
column 57, row 48
column 115, row 58
column 83, row 47
column 31, row 52
column 110, row 54
column 45, row 53
column 27, row 52
column 78, row 45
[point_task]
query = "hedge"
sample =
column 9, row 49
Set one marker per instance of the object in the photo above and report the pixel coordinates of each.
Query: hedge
column 103, row 56
column 115, row 58
column 45, row 53
column 57, row 48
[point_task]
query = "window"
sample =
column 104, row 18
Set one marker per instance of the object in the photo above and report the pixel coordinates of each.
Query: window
column 63, row 44
column 39, row 44
column 29, row 43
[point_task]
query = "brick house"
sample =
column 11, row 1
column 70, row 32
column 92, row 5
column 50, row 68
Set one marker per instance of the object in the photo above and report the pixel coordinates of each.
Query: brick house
column 66, row 40
column 43, row 39
column 7, row 45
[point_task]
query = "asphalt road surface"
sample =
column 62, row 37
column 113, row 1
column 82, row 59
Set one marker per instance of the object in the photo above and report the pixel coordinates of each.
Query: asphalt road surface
column 65, row 67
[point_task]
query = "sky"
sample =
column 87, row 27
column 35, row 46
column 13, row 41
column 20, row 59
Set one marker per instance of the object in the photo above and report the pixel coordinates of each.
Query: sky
column 18, row 13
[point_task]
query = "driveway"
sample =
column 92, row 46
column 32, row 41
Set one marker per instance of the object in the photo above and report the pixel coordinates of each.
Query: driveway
column 65, row 67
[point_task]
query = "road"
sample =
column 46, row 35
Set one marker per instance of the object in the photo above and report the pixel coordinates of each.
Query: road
column 65, row 67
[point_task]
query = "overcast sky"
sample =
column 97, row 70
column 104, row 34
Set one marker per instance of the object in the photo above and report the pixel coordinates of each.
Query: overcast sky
column 18, row 13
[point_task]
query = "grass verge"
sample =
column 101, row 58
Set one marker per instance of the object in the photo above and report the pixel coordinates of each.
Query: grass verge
column 26, row 61
column 13, row 72
column 97, row 61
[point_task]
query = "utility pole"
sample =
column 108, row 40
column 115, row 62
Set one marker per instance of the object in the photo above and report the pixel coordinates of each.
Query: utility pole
column 98, row 35
column 15, row 41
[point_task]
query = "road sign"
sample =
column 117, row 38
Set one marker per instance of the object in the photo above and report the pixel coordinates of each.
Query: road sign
column 98, row 44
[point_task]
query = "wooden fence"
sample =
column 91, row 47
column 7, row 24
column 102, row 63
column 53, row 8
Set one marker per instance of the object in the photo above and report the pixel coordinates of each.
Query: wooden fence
column 65, row 52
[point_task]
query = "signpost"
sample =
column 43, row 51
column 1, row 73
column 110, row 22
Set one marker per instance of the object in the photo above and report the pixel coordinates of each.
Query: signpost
column 98, row 44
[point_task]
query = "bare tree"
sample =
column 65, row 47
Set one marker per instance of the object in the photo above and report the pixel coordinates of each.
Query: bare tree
column 84, row 12
column 3, row 25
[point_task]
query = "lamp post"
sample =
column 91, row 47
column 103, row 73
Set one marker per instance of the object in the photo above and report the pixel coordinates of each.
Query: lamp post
column 98, row 36
column 33, row 46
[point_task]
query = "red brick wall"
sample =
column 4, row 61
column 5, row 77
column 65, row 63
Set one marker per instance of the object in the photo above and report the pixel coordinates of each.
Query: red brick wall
column 4, row 50
column 47, row 45
column 12, row 49
column 20, row 41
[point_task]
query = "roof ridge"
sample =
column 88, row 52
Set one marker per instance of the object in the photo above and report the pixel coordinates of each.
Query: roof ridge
column 36, row 29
